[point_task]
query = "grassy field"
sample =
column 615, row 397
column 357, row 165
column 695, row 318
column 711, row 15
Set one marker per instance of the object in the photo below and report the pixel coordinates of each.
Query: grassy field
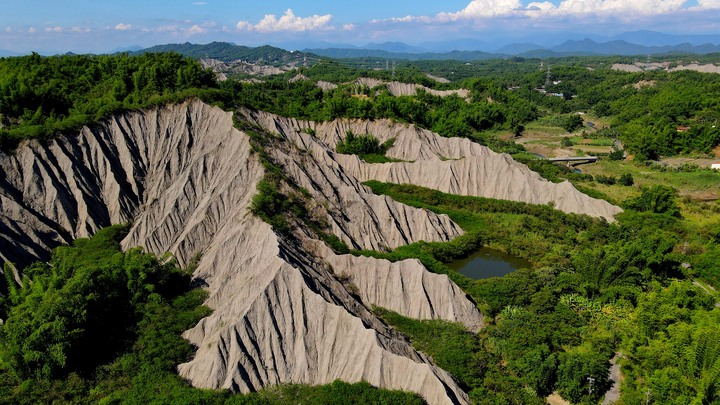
column 698, row 189
column 703, row 185
column 544, row 137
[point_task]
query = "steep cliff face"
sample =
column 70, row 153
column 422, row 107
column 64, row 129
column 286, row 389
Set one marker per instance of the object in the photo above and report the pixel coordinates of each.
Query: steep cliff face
column 451, row 165
column 282, row 315
column 409, row 89
column 286, row 309
column 164, row 169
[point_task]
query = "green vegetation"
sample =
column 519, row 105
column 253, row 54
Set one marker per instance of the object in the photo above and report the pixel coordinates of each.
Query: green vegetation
column 554, row 326
column 626, row 180
column 96, row 324
column 655, row 113
column 361, row 145
column 491, row 106
column 282, row 203
column 366, row 146
column 451, row 346
column 572, row 122
column 99, row 325
column 44, row 96
column 657, row 199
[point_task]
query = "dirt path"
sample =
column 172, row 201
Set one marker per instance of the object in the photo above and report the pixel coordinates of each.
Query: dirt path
column 708, row 289
column 616, row 377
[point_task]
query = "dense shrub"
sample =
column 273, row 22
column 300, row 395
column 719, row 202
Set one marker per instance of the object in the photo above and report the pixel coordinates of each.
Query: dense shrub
column 626, row 180
column 359, row 145
column 657, row 199
column 608, row 180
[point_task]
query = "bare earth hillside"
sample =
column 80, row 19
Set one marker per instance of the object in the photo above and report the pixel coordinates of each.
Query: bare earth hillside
column 451, row 165
column 286, row 308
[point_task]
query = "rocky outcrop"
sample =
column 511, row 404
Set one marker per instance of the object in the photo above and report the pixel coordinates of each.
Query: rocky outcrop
column 281, row 316
column 410, row 89
column 398, row 89
column 147, row 168
column 222, row 69
column 451, row 165
column 395, row 286
column 284, row 308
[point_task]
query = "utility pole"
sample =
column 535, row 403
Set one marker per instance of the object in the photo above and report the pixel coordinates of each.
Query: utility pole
column 393, row 71
column 590, row 386
column 548, row 78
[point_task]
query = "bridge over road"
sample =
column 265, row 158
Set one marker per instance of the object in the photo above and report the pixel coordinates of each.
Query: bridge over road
column 578, row 160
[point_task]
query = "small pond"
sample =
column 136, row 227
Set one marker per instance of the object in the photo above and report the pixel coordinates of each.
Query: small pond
column 486, row 263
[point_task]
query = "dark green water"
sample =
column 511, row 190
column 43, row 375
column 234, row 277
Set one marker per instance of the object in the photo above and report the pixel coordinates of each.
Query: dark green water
column 486, row 263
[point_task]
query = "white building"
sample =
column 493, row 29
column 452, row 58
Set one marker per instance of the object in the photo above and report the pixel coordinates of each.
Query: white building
column 715, row 166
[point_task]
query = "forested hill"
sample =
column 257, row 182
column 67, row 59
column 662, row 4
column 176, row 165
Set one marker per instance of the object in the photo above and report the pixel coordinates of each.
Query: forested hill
column 228, row 52
column 43, row 96
column 349, row 53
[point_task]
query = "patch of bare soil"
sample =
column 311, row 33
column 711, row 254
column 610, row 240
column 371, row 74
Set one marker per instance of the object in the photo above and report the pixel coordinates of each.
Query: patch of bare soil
column 564, row 152
column 437, row 78
column 539, row 149
column 705, row 195
column 701, row 162
column 556, row 399
column 594, row 149
column 644, row 83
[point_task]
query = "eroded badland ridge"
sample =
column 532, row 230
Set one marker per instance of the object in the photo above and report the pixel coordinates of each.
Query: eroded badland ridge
column 287, row 309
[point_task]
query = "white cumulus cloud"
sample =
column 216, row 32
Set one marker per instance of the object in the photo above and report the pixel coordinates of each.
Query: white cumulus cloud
column 708, row 4
column 53, row 29
column 288, row 22
column 196, row 29
column 619, row 7
column 479, row 10
column 244, row 26
column 483, row 9
column 32, row 30
column 123, row 27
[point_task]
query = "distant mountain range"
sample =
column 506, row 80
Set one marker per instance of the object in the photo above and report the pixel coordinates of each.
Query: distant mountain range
column 228, row 52
column 585, row 47
column 346, row 53
column 275, row 56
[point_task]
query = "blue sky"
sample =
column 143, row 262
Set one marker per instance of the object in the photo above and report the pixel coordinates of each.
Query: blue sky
column 102, row 25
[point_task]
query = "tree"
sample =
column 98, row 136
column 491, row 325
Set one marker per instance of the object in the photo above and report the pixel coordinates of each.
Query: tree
column 626, row 180
column 572, row 122
column 359, row 145
column 657, row 199
column 81, row 310
column 583, row 375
